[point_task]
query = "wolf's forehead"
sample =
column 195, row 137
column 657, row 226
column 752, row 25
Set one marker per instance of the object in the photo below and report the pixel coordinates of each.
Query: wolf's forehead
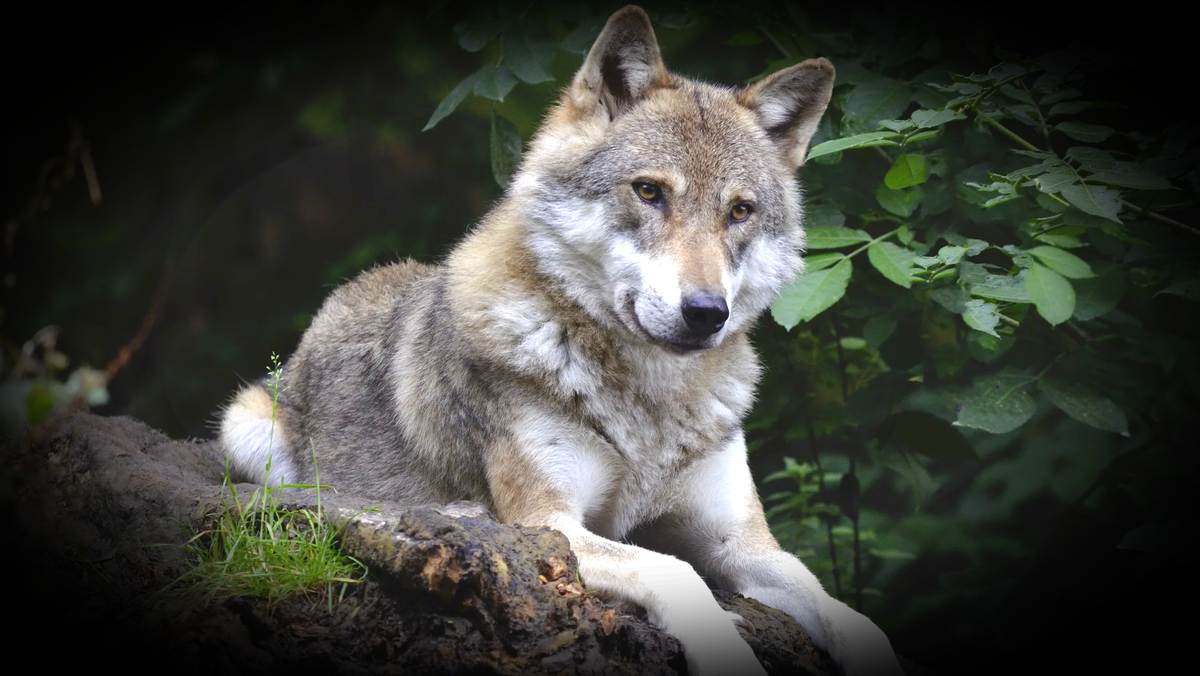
column 700, row 130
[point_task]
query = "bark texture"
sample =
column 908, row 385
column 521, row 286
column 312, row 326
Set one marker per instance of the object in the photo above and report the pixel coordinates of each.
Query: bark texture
column 93, row 512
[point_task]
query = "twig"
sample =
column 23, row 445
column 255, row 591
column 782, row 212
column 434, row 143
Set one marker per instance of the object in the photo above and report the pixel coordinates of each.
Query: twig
column 89, row 173
column 1132, row 207
column 128, row 349
column 1007, row 132
column 812, row 442
column 853, row 474
column 1159, row 217
column 775, row 41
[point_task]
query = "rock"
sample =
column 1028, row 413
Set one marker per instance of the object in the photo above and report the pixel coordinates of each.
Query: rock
column 94, row 514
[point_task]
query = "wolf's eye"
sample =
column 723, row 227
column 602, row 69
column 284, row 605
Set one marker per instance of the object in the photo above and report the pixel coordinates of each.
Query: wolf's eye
column 647, row 191
column 740, row 212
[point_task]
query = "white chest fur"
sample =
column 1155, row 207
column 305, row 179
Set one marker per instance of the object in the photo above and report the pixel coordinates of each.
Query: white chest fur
column 618, row 451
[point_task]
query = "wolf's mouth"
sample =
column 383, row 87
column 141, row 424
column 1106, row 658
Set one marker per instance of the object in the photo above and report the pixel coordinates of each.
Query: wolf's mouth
column 629, row 318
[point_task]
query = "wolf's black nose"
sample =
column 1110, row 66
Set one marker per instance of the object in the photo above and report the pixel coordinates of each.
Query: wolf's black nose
column 705, row 313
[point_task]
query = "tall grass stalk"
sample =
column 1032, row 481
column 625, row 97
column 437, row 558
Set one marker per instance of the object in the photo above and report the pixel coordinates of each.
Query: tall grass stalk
column 261, row 549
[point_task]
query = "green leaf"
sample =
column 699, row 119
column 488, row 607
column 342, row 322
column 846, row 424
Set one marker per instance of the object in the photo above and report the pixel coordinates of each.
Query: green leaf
column 1034, row 170
column 1063, row 237
column 1100, row 295
column 952, row 298
column 833, row 238
column 900, row 202
column 921, row 136
column 1085, row 406
column 996, row 403
column 893, row 262
column 982, row 316
column 1069, row 108
column 897, row 125
column 579, row 40
column 494, row 82
column 1052, row 294
column 1055, row 180
column 823, row 216
column 912, row 471
column 878, row 329
column 810, row 295
column 1063, row 262
column 951, row 255
column 822, row 261
column 1002, row 287
column 926, row 119
column 875, row 138
column 1134, row 180
column 1006, row 192
column 506, row 148
column 526, row 54
column 455, row 97
column 1189, row 289
column 853, row 343
column 987, row 349
column 39, row 403
column 1092, row 159
column 474, row 36
column 744, row 39
column 926, row 434
column 907, row 170
column 1082, row 131
column 892, row 554
column 1094, row 200
column 875, row 99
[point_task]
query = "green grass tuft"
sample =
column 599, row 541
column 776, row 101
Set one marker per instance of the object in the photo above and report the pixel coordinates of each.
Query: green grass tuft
column 262, row 550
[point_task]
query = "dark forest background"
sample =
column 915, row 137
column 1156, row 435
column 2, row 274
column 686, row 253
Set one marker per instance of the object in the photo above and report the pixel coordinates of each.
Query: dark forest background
column 248, row 159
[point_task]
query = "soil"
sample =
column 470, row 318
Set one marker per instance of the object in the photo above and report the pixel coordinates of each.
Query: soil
column 94, row 512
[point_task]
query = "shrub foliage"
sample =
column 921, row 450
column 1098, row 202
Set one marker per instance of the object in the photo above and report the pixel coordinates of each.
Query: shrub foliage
column 995, row 318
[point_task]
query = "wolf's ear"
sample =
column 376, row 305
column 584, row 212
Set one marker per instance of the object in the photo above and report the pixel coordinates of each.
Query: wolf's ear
column 789, row 104
column 623, row 64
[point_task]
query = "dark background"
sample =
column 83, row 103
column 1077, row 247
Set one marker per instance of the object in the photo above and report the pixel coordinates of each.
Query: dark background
column 252, row 157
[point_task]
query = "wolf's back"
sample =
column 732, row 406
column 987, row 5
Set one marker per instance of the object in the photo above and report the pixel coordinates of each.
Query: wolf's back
column 375, row 351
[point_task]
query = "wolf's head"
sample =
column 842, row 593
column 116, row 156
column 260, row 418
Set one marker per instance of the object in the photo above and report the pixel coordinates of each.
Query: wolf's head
column 664, row 205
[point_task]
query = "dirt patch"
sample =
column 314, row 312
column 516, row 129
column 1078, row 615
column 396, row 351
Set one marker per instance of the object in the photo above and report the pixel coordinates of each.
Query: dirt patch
column 93, row 512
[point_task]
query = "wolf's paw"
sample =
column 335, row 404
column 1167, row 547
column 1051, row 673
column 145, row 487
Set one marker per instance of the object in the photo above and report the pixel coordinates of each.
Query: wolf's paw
column 720, row 650
column 728, row 660
column 862, row 648
column 743, row 625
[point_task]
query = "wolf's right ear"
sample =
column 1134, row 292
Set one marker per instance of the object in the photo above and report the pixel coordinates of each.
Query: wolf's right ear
column 789, row 104
column 623, row 64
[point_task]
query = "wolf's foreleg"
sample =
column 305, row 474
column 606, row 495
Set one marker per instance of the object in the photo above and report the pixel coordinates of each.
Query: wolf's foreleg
column 527, row 489
column 675, row 597
column 719, row 525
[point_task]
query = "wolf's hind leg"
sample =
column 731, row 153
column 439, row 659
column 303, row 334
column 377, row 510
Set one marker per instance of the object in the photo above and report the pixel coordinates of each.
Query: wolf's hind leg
column 253, row 432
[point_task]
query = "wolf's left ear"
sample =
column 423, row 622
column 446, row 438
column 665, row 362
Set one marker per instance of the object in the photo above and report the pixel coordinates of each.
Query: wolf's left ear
column 789, row 104
column 623, row 64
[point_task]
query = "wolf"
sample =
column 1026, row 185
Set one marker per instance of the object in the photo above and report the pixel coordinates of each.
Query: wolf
column 580, row 360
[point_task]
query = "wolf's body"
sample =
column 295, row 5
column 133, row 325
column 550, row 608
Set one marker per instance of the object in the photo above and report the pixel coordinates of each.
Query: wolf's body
column 581, row 360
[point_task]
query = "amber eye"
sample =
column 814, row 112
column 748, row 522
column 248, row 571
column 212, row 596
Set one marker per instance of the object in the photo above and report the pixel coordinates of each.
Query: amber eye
column 740, row 212
column 647, row 191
